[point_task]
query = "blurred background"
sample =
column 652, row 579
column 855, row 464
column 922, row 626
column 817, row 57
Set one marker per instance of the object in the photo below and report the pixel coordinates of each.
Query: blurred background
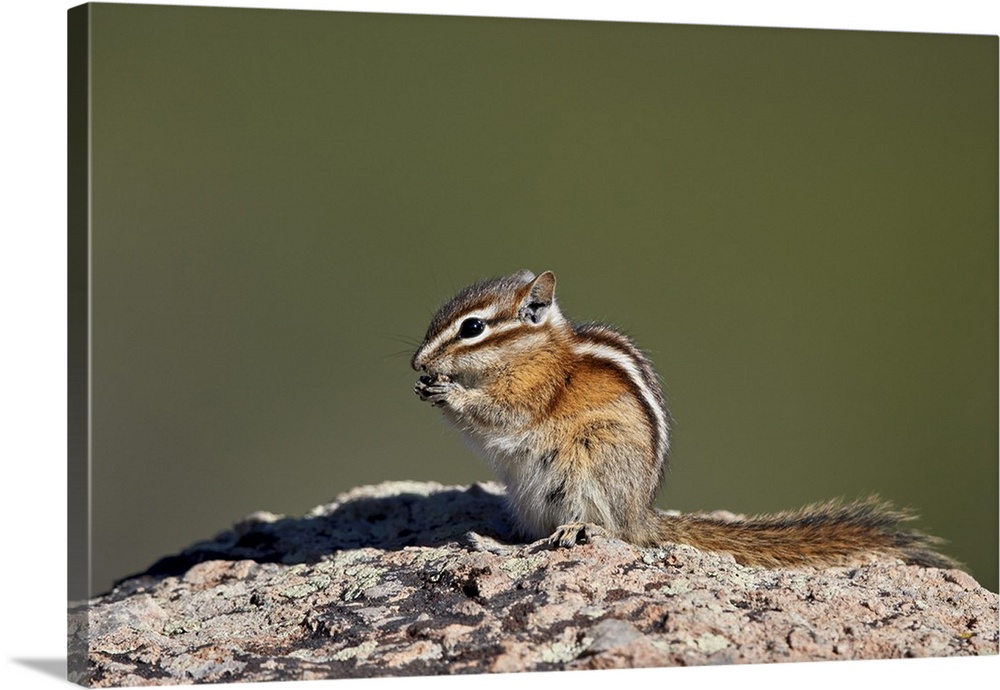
column 799, row 227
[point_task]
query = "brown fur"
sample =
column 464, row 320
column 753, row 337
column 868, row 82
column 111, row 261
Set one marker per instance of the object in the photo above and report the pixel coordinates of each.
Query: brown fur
column 825, row 534
column 573, row 420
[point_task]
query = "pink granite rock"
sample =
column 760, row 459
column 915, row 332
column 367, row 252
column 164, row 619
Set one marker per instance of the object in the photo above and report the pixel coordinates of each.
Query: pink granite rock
column 414, row 578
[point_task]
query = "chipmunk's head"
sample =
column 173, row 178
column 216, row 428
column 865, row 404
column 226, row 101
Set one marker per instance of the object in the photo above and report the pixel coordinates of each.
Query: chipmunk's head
column 487, row 323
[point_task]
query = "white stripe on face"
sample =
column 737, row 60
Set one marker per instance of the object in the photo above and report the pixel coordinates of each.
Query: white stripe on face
column 451, row 332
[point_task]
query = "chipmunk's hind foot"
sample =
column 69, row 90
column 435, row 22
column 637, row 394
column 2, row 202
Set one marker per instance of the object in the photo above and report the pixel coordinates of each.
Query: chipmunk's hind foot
column 573, row 533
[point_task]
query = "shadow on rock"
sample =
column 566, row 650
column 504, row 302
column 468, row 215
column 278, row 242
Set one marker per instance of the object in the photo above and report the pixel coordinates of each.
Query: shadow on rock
column 354, row 520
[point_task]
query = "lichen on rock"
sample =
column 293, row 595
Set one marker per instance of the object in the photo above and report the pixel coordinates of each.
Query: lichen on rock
column 414, row 578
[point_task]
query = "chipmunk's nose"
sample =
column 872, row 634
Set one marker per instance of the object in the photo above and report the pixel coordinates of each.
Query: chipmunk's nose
column 417, row 362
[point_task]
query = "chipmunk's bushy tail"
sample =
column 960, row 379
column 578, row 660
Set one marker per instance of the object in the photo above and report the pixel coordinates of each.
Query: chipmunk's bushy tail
column 823, row 534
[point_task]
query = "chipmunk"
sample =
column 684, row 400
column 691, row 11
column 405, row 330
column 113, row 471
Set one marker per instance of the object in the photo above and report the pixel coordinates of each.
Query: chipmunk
column 573, row 420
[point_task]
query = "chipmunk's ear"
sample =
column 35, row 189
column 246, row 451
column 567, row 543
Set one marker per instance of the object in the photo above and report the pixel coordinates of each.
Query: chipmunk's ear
column 539, row 299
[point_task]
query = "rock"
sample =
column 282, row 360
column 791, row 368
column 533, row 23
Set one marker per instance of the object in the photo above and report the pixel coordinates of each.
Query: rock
column 412, row 578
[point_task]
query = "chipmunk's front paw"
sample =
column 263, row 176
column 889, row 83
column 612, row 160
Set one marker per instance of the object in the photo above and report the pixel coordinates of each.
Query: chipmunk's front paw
column 436, row 390
column 574, row 533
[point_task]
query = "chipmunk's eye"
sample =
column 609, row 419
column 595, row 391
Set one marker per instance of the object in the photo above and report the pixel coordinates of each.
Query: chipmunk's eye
column 470, row 328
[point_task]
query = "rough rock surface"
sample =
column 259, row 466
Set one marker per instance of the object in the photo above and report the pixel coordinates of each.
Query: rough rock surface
column 409, row 578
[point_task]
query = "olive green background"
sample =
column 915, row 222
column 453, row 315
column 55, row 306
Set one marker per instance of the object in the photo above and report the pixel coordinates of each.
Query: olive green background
column 799, row 226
